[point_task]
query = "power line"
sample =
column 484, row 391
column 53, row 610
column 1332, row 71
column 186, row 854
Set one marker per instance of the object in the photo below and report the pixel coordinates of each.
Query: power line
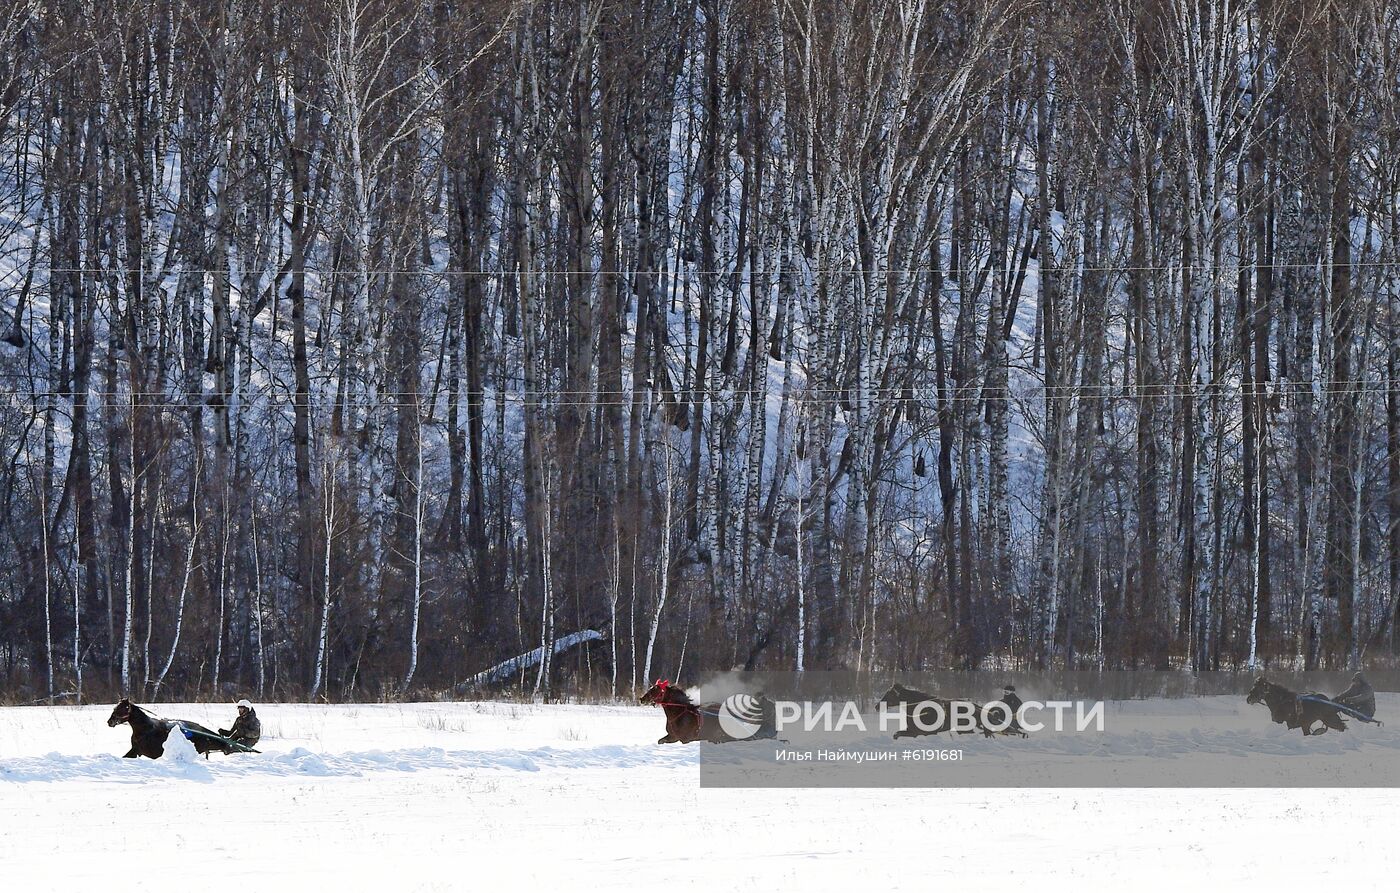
column 627, row 271
column 820, row 397
column 1314, row 385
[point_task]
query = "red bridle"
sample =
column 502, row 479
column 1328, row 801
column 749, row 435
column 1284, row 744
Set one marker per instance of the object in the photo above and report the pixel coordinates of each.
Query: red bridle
column 663, row 687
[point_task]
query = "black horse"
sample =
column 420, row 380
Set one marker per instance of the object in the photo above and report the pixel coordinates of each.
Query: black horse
column 148, row 733
column 1298, row 710
column 926, row 714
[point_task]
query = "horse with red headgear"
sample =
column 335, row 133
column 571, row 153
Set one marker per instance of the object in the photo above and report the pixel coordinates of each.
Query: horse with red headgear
column 686, row 721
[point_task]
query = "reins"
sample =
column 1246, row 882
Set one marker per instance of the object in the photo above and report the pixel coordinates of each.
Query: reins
column 686, row 706
column 154, row 718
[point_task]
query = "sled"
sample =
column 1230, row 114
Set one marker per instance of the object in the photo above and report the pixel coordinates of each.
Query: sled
column 226, row 744
column 1343, row 708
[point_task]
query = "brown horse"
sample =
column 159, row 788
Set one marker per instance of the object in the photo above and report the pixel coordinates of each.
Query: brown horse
column 1298, row 710
column 149, row 734
column 687, row 721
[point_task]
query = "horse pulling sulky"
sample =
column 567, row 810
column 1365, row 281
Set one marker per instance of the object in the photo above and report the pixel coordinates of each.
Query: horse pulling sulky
column 149, row 733
column 687, row 721
column 1303, row 710
column 926, row 714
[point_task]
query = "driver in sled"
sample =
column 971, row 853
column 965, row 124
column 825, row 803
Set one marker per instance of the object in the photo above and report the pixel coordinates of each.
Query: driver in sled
column 246, row 729
column 1359, row 697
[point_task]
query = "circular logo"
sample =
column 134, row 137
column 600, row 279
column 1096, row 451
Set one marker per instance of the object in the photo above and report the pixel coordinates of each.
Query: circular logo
column 741, row 716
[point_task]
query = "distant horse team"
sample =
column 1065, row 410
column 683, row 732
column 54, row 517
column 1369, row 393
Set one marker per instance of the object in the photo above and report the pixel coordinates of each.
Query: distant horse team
column 1304, row 710
column 927, row 714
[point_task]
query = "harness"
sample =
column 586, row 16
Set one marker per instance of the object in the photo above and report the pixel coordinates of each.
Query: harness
column 171, row 724
column 664, row 685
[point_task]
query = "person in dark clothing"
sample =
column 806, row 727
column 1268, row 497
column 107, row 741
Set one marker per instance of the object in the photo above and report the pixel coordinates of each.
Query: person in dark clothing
column 1359, row 697
column 1009, row 698
column 246, row 729
column 1013, row 704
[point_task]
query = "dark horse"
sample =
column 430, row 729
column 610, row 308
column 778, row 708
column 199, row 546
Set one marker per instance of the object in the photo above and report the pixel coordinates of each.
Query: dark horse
column 1298, row 710
column 148, row 733
column 923, row 718
column 687, row 721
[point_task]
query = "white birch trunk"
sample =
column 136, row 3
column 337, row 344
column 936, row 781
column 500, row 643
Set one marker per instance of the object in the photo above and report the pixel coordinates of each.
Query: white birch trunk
column 225, row 524
column 328, row 519
column 76, row 570
column 48, row 587
column 665, row 571
column 184, row 587
column 128, row 583
column 801, row 576
column 150, row 596
column 258, row 603
column 613, row 595
column 417, row 555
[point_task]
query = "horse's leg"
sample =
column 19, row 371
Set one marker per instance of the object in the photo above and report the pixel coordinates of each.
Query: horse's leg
column 1318, row 716
column 670, row 736
column 131, row 754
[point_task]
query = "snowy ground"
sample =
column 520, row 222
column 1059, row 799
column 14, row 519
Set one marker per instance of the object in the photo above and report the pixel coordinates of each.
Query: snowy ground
column 475, row 796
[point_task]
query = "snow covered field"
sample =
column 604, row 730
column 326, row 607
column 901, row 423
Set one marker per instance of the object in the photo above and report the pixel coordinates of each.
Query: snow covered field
column 473, row 796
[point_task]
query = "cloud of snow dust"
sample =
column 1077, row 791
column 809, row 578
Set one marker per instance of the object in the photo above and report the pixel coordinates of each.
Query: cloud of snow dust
column 718, row 687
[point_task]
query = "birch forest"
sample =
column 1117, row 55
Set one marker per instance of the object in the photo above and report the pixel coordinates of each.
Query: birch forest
column 354, row 347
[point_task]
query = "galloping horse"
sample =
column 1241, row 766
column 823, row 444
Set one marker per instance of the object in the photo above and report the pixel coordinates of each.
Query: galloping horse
column 923, row 719
column 148, row 734
column 687, row 721
column 1299, row 710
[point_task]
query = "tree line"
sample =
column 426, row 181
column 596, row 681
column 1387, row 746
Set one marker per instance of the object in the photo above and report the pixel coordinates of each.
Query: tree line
column 353, row 347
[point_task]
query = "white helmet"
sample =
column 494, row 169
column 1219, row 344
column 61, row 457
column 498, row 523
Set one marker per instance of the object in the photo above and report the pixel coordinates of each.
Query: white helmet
column 244, row 703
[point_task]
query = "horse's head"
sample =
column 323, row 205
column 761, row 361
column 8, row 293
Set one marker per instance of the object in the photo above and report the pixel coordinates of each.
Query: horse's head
column 120, row 713
column 1259, row 692
column 894, row 696
column 662, row 692
column 903, row 694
